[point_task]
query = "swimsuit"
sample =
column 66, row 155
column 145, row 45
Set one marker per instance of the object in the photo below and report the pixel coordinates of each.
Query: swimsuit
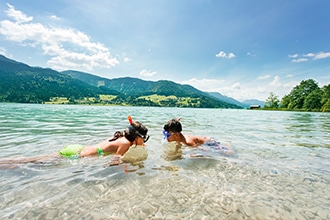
column 99, row 151
column 72, row 151
column 213, row 144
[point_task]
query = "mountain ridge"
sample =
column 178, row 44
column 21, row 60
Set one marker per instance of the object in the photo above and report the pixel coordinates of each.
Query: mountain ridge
column 93, row 79
column 23, row 83
column 139, row 87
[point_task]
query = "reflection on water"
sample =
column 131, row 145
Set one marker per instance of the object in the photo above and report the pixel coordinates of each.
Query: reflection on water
column 302, row 122
column 280, row 169
column 305, row 127
column 172, row 151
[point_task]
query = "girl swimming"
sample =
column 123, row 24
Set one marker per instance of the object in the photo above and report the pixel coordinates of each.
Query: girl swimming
column 135, row 134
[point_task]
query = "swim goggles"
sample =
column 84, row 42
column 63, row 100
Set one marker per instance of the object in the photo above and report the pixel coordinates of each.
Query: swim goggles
column 132, row 129
column 166, row 134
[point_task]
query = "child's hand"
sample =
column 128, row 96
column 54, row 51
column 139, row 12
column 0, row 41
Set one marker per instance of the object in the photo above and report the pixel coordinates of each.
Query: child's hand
column 116, row 160
column 114, row 163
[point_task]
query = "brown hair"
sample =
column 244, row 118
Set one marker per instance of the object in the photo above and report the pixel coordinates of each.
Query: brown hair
column 136, row 129
column 173, row 125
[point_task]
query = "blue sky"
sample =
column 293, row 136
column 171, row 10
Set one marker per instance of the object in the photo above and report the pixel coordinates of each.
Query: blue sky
column 242, row 49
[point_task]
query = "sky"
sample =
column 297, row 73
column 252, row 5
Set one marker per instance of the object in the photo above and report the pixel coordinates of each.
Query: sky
column 241, row 49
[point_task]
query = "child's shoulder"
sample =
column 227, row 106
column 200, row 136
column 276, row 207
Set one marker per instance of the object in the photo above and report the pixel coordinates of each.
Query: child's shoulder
column 197, row 138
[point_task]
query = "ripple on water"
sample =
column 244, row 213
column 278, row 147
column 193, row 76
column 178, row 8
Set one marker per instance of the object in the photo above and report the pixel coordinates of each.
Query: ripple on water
column 280, row 170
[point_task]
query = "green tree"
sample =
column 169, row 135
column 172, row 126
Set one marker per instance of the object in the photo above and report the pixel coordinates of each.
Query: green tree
column 272, row 101
column 299, row 93
column 313, row 100
column 326, row 106
column 325, row 102
column 285, row 102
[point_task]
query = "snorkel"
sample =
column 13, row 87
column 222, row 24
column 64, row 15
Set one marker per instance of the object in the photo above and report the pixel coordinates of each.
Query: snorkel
column 166, row 134
column 133, row 130
column 166, row 130
column 130, row 120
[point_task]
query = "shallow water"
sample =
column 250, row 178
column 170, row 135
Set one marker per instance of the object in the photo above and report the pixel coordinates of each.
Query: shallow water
column 280, row 169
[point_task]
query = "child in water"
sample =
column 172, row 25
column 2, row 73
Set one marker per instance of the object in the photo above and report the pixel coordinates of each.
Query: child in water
column 135, row 134
column 172, row 133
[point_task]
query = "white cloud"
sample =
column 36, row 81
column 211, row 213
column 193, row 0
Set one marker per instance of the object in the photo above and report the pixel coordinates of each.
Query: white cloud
column 126, row 59
column 236, row 85
column 264, row 77
column 242, row 90
column 236, row 90
column 293, row 55
column 68, row 48
column 222, row 54
column 322, row 55
column 231, row 55
column 17, row 15
column 296, row 58
column 275, row 82
column 209, row 85
column 299, row 60
column 54, row 17
column 308, row 55
column 147, row 73
column 2, row 50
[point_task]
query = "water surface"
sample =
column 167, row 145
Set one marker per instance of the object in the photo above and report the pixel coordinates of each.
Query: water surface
column 280, row 169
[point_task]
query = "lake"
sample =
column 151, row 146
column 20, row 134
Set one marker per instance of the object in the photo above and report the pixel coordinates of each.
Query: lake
column 280, row 169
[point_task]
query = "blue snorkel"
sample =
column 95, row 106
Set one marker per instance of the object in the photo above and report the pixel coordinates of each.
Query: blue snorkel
column 166, row 134
column 171, row 127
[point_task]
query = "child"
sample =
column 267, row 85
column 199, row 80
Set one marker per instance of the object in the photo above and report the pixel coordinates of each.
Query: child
column 135, row 134
column 172, row 132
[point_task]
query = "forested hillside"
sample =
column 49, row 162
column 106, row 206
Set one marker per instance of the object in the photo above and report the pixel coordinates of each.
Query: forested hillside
column 25, row 84
column 22, row 83
column 136, row 89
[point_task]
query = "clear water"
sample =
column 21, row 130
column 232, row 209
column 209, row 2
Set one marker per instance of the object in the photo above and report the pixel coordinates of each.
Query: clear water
column 280, row 169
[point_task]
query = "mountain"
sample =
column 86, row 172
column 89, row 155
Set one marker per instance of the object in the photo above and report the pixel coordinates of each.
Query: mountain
column 126, row 86
column 138, row 87
column 228, row 99
column 254, row 102
column 244, row 104
column 22, row 83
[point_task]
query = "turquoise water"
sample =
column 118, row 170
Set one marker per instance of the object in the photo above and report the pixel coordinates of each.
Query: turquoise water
column 280, row 169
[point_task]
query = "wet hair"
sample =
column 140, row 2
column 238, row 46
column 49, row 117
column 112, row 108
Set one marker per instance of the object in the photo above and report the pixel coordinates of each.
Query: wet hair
column 173, row 125
column 134, row 130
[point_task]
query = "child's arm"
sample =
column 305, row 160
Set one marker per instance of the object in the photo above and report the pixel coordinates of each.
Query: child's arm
column 195, row 141
column 116, row 160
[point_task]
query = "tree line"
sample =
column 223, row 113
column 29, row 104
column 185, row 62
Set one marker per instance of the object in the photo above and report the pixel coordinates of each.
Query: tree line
column 307, row 96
